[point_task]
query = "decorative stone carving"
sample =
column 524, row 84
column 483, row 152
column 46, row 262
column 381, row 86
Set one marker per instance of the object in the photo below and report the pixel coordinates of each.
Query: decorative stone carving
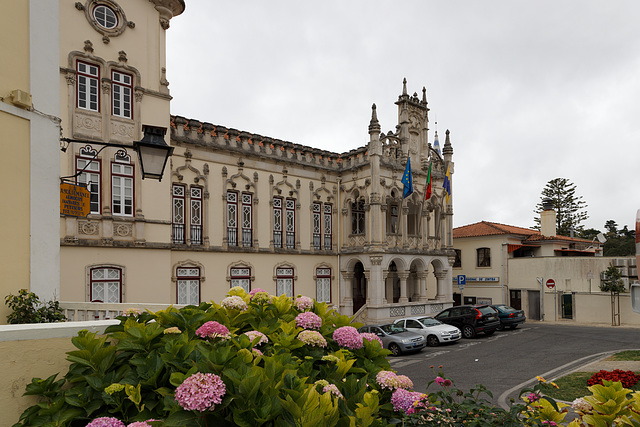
column 88, row 125
column 122, row 131
column 123, row 229
column 376, row 259
column 88, row 227
column 88, row 46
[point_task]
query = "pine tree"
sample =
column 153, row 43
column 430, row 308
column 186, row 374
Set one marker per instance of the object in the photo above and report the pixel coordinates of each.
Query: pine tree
column 570, row 209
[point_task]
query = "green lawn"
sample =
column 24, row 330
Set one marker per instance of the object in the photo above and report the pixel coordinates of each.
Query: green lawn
column 633, row 355
column 574, row 385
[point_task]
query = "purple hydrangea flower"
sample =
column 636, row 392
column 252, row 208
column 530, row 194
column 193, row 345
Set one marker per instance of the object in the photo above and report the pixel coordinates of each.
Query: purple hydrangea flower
column 370, row 336
column 348, row 336
column 308, row 320
column 403, row 400
column 212, row 329
column 200, row 392
column 303, row 303
column 106, row 422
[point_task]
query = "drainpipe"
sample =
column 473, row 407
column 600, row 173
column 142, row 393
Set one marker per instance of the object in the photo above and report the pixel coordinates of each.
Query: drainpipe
column 505, row 273
column 339, row 213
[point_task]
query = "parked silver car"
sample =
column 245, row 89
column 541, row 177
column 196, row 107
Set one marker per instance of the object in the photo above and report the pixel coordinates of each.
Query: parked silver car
column 395, row 338
column 434, row 331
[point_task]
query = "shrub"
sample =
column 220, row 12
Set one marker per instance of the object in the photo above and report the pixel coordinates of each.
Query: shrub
column 627, row 378
column 27, row 308
column 199, row 365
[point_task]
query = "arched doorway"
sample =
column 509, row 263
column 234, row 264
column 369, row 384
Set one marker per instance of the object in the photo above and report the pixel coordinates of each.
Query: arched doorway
column 359, row 287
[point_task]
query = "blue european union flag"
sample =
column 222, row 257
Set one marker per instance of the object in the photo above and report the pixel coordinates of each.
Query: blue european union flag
column 407, row 180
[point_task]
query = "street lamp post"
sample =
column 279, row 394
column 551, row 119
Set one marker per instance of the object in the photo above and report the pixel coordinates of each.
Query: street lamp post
column 153, row 151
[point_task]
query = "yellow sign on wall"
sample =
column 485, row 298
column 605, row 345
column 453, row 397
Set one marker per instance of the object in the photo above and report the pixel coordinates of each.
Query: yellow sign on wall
column 74, row 200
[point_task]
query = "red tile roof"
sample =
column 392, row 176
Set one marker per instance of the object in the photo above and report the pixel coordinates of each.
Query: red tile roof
column 486, row 228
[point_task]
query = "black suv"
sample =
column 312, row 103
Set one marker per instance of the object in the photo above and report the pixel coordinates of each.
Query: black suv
column 471, row 319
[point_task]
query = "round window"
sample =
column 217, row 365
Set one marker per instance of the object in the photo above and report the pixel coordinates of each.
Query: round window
column 105, row 17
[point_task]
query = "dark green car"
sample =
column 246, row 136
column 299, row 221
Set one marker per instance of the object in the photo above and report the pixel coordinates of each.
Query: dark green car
column 509, row 316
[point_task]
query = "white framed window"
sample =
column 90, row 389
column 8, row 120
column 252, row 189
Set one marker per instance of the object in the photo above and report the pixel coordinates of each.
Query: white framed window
column 323, row 284
column 247, row 220
column 122, row 173
column 188, row 285
column 106, row 284
column 232, row 218
column 195, row 228
column 316, row 226
column 291, row 223
column 88, row 80
column 277, row 222
column 177, row 214
column 105, row 16
column 284, row 281
column 121, row 93
column 241, row 276
column 90, row 176
column 328, row 226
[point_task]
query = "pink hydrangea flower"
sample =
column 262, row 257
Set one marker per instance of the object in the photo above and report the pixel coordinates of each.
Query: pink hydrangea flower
column 370, row 336
column 256, row 352
column 333, row 389
column 132, row 312
column 348, row 336
column 403, row 400
column 106, row 422
column 388, row 379
column 139, row 424
column 308, row 320
column 200, row 392
column 312, row 338
column 234, row 302
column 212, row 329
column 255, row 334
column 405, row 382
column 303, row 303
column 252, row 292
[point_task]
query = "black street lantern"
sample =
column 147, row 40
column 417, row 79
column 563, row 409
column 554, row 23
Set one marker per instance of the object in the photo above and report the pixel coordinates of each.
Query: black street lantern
column 153, row 152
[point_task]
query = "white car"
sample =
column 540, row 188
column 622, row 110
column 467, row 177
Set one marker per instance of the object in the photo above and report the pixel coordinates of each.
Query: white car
column 434, row 331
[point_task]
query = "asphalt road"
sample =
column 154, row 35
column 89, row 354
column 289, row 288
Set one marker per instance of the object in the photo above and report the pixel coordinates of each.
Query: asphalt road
column 510, row 360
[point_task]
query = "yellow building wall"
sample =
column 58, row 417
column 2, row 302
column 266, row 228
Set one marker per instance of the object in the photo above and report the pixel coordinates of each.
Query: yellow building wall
column 14, row 187
column 14, row 162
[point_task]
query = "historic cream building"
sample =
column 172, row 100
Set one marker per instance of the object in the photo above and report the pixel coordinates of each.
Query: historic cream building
column 236, row 208
column 550, row 277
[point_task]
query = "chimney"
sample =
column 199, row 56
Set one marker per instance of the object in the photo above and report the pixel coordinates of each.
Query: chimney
column 548, row 218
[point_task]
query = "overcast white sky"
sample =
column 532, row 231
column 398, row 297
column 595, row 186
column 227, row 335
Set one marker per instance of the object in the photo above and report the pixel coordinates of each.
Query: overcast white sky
column 530, row 90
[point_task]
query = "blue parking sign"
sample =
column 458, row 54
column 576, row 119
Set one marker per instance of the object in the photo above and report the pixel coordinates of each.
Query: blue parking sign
column 462, row 279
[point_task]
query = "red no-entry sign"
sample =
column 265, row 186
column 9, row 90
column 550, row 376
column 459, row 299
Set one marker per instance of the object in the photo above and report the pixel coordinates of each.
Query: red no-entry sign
column 551, row 283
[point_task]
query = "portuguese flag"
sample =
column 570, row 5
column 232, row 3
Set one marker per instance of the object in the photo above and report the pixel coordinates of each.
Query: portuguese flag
column 427, row 194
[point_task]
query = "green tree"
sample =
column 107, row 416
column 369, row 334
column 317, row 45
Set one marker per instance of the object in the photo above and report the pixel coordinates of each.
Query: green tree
column 613, row 283
column 570, row 208
column 619, row 242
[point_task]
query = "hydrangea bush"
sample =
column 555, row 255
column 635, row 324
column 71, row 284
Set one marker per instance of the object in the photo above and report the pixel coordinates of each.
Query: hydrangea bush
column 200, row 365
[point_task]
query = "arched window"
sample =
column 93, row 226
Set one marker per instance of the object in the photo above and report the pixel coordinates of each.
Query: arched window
column 323, row 284
column 188, row 285
column 484, row 257
column 284, row 281
column 105, row 284
column 357, row 217
column 240, row 276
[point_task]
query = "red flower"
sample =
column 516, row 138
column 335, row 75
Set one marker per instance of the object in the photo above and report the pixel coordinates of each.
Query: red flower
column 627, row 378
